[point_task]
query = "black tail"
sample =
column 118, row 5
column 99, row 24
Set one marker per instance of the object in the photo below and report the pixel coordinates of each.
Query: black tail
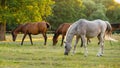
column 48, row 25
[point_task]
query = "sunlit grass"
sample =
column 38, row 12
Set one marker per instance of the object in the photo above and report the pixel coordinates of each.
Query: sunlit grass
column 13, row 55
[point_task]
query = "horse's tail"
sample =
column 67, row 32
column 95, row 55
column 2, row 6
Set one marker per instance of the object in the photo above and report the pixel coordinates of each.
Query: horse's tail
column 109, row 28
column 48, row 25
column 109, row 31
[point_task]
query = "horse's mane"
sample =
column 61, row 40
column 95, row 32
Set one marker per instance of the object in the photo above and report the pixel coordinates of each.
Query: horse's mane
column 57, row 30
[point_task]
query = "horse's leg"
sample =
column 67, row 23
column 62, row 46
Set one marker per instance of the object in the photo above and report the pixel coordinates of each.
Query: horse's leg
column 76, row 42
column 23, row 39
column 81, row 42
column 45, row 38
column 84, row 44
column 63, row 36
column 88, row 40
column 101, row 44
column 30, row 38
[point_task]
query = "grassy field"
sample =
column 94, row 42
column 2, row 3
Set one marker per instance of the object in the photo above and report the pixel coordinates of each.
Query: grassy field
column 13, row 55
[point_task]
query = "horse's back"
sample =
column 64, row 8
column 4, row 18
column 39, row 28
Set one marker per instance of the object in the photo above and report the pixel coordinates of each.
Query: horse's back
column 43, row 26
column 63, row 28
column 34, row 28
column 88, row 28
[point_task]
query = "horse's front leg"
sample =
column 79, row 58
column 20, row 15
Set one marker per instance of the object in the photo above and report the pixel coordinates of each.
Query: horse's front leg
column 76, row 42
column 63, row 36
column 30, row 38
column 84, row 44
column 23, row 39
column 101, row 44
column 45, row 38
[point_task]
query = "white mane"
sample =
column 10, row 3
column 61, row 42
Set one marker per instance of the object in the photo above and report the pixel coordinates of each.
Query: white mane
column 71, row 31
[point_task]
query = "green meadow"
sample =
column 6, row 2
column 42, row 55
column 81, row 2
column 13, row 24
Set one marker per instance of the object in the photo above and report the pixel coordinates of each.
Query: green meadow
column 13, row 55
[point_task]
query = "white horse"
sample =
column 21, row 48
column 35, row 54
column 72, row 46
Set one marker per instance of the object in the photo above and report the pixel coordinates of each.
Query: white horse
column 87, row 29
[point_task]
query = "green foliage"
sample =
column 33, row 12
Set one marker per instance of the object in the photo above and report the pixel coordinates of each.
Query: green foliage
column 21, row 11
column 58, row 11
column 99, row 13
column 72, row 10
column 66, row 11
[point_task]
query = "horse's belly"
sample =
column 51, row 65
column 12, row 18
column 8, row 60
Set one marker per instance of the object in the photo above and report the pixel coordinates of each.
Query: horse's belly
column 34, row 32
column 91, row 35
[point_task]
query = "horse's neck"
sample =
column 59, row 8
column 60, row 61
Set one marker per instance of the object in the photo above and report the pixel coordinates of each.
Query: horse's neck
column 17, row 30
column 69, row 37
column 70, row 33
column 56, row 36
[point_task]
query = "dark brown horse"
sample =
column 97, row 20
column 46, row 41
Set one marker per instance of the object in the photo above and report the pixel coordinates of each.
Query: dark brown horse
column 31, row 28
column 61, row 30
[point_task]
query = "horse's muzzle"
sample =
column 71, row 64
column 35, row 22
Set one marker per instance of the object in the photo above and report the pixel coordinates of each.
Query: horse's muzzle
column 65, row 53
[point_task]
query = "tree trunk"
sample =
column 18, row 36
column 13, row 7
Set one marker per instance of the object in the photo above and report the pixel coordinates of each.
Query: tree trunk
column 2, row 31
column 2, row 23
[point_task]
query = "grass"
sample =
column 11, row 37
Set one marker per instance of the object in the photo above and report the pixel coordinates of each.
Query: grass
column 13, row 55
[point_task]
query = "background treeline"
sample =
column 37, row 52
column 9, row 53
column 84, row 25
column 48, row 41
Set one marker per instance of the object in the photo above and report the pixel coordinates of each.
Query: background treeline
column 15, row 12
column 72, row 10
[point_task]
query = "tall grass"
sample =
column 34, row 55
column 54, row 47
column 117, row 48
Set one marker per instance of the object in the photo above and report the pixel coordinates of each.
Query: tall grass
column 13, row 55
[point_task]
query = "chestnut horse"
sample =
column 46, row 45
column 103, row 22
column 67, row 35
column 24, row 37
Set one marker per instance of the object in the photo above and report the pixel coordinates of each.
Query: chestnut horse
column 61, row 30
column 31, row 28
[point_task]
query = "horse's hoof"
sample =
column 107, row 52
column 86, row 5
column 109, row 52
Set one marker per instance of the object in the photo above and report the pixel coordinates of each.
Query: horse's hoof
column 98, row 55
column 65, row 53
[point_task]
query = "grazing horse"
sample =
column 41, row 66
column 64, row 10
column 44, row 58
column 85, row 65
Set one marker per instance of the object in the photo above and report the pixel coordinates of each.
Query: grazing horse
column 87, row 29
column 31, row 28
column 61, row 30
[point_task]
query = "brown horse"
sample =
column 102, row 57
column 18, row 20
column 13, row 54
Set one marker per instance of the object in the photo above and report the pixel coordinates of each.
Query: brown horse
column 61, row 30
column 31, row 28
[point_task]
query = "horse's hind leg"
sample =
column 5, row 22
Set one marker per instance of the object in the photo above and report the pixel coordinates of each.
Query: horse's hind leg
column 101, row 44
column 30, row 38
column 45, row 38
column 23, row 39
column 88, row 41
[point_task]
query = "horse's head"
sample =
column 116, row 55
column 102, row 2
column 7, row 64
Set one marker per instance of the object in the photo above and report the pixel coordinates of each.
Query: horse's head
column 55, row 40
column 67, row 48
column 14, row 35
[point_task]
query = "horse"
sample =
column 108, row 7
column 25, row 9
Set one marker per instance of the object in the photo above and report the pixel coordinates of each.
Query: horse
column 87, row 29
column 31, row 28
column 61, row 30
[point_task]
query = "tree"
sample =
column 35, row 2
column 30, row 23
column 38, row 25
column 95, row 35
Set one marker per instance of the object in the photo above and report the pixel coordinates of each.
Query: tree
column 2, row 22
column 22, row 11
column 66, row 11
